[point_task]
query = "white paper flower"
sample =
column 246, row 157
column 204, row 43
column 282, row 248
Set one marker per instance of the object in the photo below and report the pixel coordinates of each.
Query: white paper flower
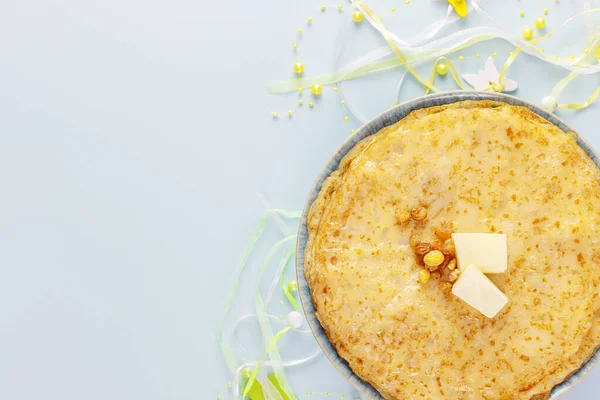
column 488, row 78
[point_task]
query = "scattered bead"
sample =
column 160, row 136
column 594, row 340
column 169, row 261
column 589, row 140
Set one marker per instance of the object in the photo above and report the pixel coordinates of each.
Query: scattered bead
column 290, row 113
column 316, row 89
column 299, row 68
column 300, row 102
column 300, row 31
column 309, row 20
column 295, row 46
column 495, row 54
column 572, row 57
column 477, row 55
column 522, row 13
column 311, row 104
column 229, row 384
column 343, row 102
column 293, row 286
column 357, row 16
column 394, row 9
column 275, row 114
column 352, row 131
column 346, row 118
column 335, row 89
column 309, row 393
column 323, row 8
column 341, row 396
column 556, row 1
column 340, row 8
column 441, row 69
column 246, row 372
column 540, row 23
column 300, row 90
column 281, row 317
column 325, row 393
column 546, row 11
column 219, row 397
column 281, row 302
column 461, row 58
column 295, row 319
column 528, row 33
column 549, row 103
column 407, row 2
column 542, row 50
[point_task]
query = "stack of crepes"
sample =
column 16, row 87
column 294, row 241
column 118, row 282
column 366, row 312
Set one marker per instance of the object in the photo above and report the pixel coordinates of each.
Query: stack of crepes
column 477, row 166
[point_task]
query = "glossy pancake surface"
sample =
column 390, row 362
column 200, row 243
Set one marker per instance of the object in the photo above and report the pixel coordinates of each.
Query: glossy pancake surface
column 477, row 167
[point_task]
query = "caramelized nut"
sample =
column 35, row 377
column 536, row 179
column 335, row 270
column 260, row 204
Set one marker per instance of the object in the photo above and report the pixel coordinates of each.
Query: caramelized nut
column 422, row 248
column 433, row 258
column 435, row 275
column 449, row 248
column 438, row 245
column 443, row 234
column 424, row 276
column 446, row 287
column 452, row 264
column 418, row 213
column 453, row 276
column 402, row 217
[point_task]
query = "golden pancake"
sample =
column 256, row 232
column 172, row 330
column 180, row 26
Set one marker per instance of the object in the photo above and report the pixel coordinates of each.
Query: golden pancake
column 475, row 166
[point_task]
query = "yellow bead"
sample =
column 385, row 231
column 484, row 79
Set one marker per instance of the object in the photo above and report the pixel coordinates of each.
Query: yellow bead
column 275, row 114
column 311, row 104
column 528, row 33
column 290, row 113
column 335, row 89
column 246, row 372
column 477, row 55
column 357, row 16
column 522, row 13
column 586, row 51
column 299, row 68
column 300, row 90
column 495, row 54
column 407, row 2
column 346, row 119
column 342, row 102
column 295, row 46
column 461, row 58
column 323, row 8
column 340, row 7
column 300, row 31
column 316, row 89
column 309, row 20
column 352, row 131
column 300, row 102
column 441, row 69
column 293, row 286
column 540, row 23
column 546, row 11
column 394, row 9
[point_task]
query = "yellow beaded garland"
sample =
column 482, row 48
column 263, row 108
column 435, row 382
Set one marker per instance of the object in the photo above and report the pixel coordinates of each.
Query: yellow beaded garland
column 300, row 31
column 309, row 20
column 290, row 113
column 311, row 104
column 300, row 102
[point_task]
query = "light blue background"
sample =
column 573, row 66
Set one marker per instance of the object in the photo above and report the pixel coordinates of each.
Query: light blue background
column 134, row 136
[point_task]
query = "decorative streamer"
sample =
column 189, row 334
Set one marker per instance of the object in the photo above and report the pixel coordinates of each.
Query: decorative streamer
column 452, row 71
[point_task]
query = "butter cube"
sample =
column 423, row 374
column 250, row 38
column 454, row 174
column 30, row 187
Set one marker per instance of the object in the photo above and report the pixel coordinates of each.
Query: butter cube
column 488, row 251
column 475, row 289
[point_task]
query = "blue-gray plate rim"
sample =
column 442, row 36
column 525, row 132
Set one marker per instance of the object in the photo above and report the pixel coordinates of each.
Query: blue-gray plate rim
column 384, row 119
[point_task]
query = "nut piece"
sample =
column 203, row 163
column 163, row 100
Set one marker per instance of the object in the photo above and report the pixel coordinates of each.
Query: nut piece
column 443, row 234
column 438, row 245
column 449, row 248
column 424, row 276
column 418, row 213
column 422, row 248
column 435, row 275
column 453, row 276
column 452, row 264
column 446, row 287
column 433, row 258
column 402, row 217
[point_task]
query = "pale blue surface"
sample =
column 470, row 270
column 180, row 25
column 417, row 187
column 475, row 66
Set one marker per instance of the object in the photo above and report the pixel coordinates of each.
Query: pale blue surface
column 134, row 136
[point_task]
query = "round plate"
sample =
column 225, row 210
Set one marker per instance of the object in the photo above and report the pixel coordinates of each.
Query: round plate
column 388, row 118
